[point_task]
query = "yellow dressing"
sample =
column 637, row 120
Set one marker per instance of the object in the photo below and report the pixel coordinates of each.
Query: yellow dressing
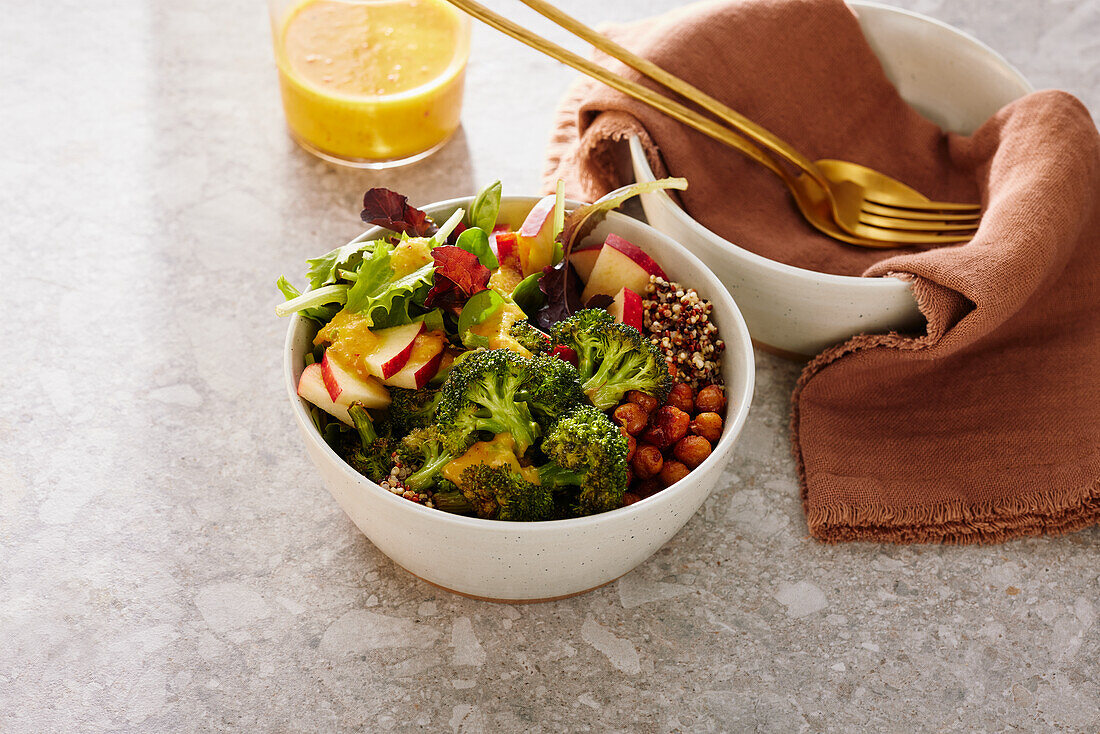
column 410, row 255
column 373, row 80
column 500, row 451
column 497, row 326
column 505, row 280
column 350, row 340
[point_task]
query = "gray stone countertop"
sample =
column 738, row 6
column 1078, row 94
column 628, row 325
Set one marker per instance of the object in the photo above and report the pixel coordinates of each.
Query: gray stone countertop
column 169, row 560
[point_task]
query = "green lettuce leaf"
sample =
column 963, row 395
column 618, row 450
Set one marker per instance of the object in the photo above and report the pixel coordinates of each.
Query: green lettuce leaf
column 319, row 305
column 323, row 270
column 382, row 299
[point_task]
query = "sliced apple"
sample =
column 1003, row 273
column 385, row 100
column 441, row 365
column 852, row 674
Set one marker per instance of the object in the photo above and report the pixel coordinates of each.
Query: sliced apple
column 507, row 247
column 345, row 386
column 627, row 308
column 391, row 350
column 536, row 237
column 423, row 364
column 584, row 260
column 311, row 387
column 620, row 264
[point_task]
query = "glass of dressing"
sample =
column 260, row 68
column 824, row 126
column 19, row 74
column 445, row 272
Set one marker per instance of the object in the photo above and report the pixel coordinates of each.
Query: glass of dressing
column 370, row 83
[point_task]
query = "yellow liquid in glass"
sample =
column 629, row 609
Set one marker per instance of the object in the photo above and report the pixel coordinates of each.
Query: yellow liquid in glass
column 372, row 81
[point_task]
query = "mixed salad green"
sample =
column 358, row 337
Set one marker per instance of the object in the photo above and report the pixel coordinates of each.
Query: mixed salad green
column 468, row 366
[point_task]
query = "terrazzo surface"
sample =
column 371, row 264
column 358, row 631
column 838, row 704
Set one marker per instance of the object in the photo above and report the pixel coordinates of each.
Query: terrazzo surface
column 169, row 560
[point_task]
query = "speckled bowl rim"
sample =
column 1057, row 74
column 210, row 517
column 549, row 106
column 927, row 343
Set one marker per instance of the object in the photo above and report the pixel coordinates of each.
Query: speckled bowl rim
column 714, row 290
column 887, row 282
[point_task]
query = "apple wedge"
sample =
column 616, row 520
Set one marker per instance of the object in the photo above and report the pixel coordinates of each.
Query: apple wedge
column 391, row 349
column 584, row 260
column 620, row 264
column 423, row 364
column 312, row 387
column 536, row 237
column 507, row 249
column 345, row 387
column 627, row 308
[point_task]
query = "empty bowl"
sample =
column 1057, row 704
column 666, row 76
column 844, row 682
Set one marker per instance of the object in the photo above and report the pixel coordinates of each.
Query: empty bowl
column 513, row 561
column 949, row 77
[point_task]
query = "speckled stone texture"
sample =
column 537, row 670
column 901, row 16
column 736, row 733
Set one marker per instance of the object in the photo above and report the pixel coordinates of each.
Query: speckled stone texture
column 169, row 560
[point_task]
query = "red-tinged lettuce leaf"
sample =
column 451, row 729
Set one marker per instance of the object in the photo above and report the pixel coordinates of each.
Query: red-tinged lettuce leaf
column 458, row 275
column 562, row 287
column 391, row 210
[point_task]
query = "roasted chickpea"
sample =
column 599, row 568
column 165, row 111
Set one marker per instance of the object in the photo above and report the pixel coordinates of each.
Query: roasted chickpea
column 682, row 397
column 645, row 401
column 647, row 487
column 668, row 424
column 711, row 399
column 647, row 462
column 692, row 450
column 707, row 425
column 630, row 417
column 672, row 472
column 630, row 498
column 631, row 446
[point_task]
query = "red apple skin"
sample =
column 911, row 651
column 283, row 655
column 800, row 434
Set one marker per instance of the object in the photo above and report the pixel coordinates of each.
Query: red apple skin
column 541, row 213
column 620, row 264
column 627, row 308
column 311, row 387
column 565, row 353
column 427, row 354
column 329, row 378
column 399, row 341
column 508, row 250
column 636, row 254
column 584, row 260
column 536, row 237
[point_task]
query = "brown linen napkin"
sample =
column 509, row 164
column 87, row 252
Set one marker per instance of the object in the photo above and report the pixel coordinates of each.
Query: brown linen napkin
column 985, row 428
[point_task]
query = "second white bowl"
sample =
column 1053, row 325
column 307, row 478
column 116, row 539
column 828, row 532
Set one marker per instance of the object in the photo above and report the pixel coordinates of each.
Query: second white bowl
column 952, row 79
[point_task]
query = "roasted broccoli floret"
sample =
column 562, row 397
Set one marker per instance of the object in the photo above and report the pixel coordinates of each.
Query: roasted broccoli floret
column 551, row 388
column 370, row 450
column 427, row 450
column 613, row 358
column 587, row 450
column 480, row 395
column 499, row 493
column 412, row 409
column 530, row 338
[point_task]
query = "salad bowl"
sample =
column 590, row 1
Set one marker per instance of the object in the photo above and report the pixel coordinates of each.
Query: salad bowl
column 535, row 561
column 949, row 77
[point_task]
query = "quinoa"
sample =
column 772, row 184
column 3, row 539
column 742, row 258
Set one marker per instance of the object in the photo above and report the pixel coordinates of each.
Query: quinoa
column 395, row 483
column 677, row 321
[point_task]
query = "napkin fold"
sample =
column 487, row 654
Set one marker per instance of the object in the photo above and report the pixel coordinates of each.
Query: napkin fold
column 987, row 426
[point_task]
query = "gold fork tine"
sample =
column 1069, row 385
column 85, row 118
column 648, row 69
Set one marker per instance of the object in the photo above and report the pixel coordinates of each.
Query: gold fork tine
column 948, row 206
column 873, row 220
column 898, row 213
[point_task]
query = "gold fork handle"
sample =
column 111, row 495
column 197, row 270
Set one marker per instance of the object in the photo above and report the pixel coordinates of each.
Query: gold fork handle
column 746, row 126
column 654, row 99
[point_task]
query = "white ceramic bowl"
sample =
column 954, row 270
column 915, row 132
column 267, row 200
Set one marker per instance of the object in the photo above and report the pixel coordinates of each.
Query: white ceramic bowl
column 953, row 80
column 511, row 561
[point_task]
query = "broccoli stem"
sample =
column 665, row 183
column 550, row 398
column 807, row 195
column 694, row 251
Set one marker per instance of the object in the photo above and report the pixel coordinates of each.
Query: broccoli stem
column 505, row 417
column 425, row 476
column 453, row 501
column 361, row 418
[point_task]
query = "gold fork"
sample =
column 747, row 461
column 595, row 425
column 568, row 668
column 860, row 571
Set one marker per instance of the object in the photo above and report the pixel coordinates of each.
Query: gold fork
column 843, row 200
